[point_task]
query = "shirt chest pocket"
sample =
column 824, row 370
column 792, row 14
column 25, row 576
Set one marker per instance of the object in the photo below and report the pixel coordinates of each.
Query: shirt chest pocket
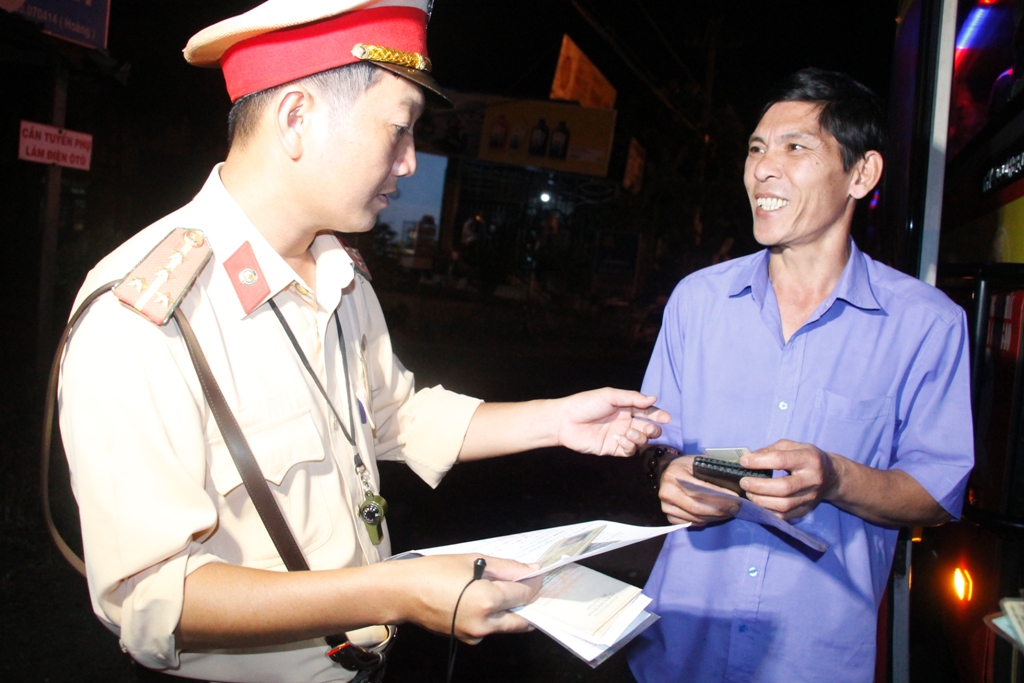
column 859, row 429
column 290, row 455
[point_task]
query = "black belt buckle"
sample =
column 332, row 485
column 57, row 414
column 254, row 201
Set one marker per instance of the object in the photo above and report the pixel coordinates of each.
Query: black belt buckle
column 355, row 658
column 725, row 474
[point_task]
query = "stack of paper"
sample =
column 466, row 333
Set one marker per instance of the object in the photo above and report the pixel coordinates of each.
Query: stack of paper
column 591, row 614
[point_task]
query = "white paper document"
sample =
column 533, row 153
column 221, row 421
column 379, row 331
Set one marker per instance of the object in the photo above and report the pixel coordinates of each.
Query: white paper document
column 584, row 601
column 1011, row 621
column 591, row 614
column 752, row 512
column 1001, row 623
column 531, row 546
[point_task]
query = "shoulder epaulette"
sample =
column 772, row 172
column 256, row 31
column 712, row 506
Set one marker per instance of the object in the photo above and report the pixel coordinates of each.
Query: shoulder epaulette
column 158, row 284
column 357, row 262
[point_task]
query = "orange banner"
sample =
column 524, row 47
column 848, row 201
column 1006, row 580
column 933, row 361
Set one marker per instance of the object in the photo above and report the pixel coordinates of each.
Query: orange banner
column 578, row 80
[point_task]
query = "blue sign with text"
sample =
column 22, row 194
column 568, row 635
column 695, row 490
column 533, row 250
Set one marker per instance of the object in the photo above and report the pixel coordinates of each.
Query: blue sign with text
column 79, row 21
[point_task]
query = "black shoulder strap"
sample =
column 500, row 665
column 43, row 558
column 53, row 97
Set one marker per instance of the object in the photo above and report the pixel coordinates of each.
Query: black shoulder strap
column 49, row 411
column 234, row 439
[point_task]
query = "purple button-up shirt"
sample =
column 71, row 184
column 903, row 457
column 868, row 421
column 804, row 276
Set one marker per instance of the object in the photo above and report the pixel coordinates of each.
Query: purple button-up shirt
column 879, row 374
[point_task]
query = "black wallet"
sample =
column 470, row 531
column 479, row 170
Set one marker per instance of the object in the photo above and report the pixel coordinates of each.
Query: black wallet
column 725, row 474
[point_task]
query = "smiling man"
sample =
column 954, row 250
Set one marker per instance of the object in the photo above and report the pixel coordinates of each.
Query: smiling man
column 848, row 379
column 185, row 563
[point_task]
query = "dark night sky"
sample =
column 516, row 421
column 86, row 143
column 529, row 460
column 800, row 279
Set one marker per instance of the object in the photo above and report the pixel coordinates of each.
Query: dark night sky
column 511, row 48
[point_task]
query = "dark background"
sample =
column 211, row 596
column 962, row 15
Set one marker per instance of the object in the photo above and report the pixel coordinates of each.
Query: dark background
column 159, row 126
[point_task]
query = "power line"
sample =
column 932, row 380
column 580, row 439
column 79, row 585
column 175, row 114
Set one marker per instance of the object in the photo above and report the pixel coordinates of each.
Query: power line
column 658, row 92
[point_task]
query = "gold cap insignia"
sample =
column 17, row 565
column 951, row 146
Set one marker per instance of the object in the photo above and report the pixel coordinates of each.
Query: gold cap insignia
column 376, row 53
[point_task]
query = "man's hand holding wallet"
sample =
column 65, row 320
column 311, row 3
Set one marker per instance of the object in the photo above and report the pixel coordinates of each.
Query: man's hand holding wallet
column 811, row 476
column 719, row 467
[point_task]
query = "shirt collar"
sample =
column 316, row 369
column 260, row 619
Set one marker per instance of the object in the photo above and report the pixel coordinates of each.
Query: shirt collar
column 854, row 286
column 753, row 276
column 233, row 231
column 334, row 270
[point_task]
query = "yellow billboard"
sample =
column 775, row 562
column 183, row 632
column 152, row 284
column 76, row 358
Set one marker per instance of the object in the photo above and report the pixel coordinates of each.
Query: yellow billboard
column 562, row 137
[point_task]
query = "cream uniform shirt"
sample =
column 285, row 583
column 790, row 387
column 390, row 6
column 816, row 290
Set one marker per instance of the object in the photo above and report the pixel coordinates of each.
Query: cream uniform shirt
column 158, row 492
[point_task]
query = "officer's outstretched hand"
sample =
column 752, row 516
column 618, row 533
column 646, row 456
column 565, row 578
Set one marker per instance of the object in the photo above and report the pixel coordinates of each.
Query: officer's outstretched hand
column 603, row 422
column 484, row 606
column 608, row 421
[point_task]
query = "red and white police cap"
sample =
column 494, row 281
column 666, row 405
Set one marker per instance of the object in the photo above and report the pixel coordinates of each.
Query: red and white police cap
column 281, row 41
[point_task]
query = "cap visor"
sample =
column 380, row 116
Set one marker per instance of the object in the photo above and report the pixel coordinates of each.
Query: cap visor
column 420, row 78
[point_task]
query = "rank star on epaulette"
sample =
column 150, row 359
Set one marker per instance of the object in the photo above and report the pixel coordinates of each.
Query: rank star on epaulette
column 357, row 262
column 158, row 284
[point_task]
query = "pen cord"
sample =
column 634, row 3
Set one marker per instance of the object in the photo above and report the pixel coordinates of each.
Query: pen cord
column 478, row 573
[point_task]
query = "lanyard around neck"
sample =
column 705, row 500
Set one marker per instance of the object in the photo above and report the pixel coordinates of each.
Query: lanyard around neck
column 350, row 432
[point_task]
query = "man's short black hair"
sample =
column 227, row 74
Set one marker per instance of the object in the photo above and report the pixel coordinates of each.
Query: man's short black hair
column 850, row 112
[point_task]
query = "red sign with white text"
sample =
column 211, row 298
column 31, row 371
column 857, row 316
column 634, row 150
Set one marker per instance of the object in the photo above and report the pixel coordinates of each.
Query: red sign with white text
column 49, row 145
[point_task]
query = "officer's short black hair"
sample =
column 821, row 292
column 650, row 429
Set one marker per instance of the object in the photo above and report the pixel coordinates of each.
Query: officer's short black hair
column 341, row 85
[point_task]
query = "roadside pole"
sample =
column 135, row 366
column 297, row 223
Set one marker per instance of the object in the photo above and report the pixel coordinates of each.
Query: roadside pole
column 51, row 226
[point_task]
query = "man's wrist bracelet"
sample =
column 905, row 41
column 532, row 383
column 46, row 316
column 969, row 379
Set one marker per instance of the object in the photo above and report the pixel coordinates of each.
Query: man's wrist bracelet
column 655, row 458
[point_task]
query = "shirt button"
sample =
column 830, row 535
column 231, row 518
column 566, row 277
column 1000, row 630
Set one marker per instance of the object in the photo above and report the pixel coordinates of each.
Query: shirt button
column 752, row 571
column 783, row 405
column 743, row 628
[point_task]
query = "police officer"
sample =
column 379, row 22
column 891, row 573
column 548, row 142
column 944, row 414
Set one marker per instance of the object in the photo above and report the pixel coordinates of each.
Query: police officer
column 179, row 561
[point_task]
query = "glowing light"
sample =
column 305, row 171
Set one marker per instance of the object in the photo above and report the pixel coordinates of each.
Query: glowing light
column 969, row 33
column 545, row 197
column 962, row 584
column 971, row 27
